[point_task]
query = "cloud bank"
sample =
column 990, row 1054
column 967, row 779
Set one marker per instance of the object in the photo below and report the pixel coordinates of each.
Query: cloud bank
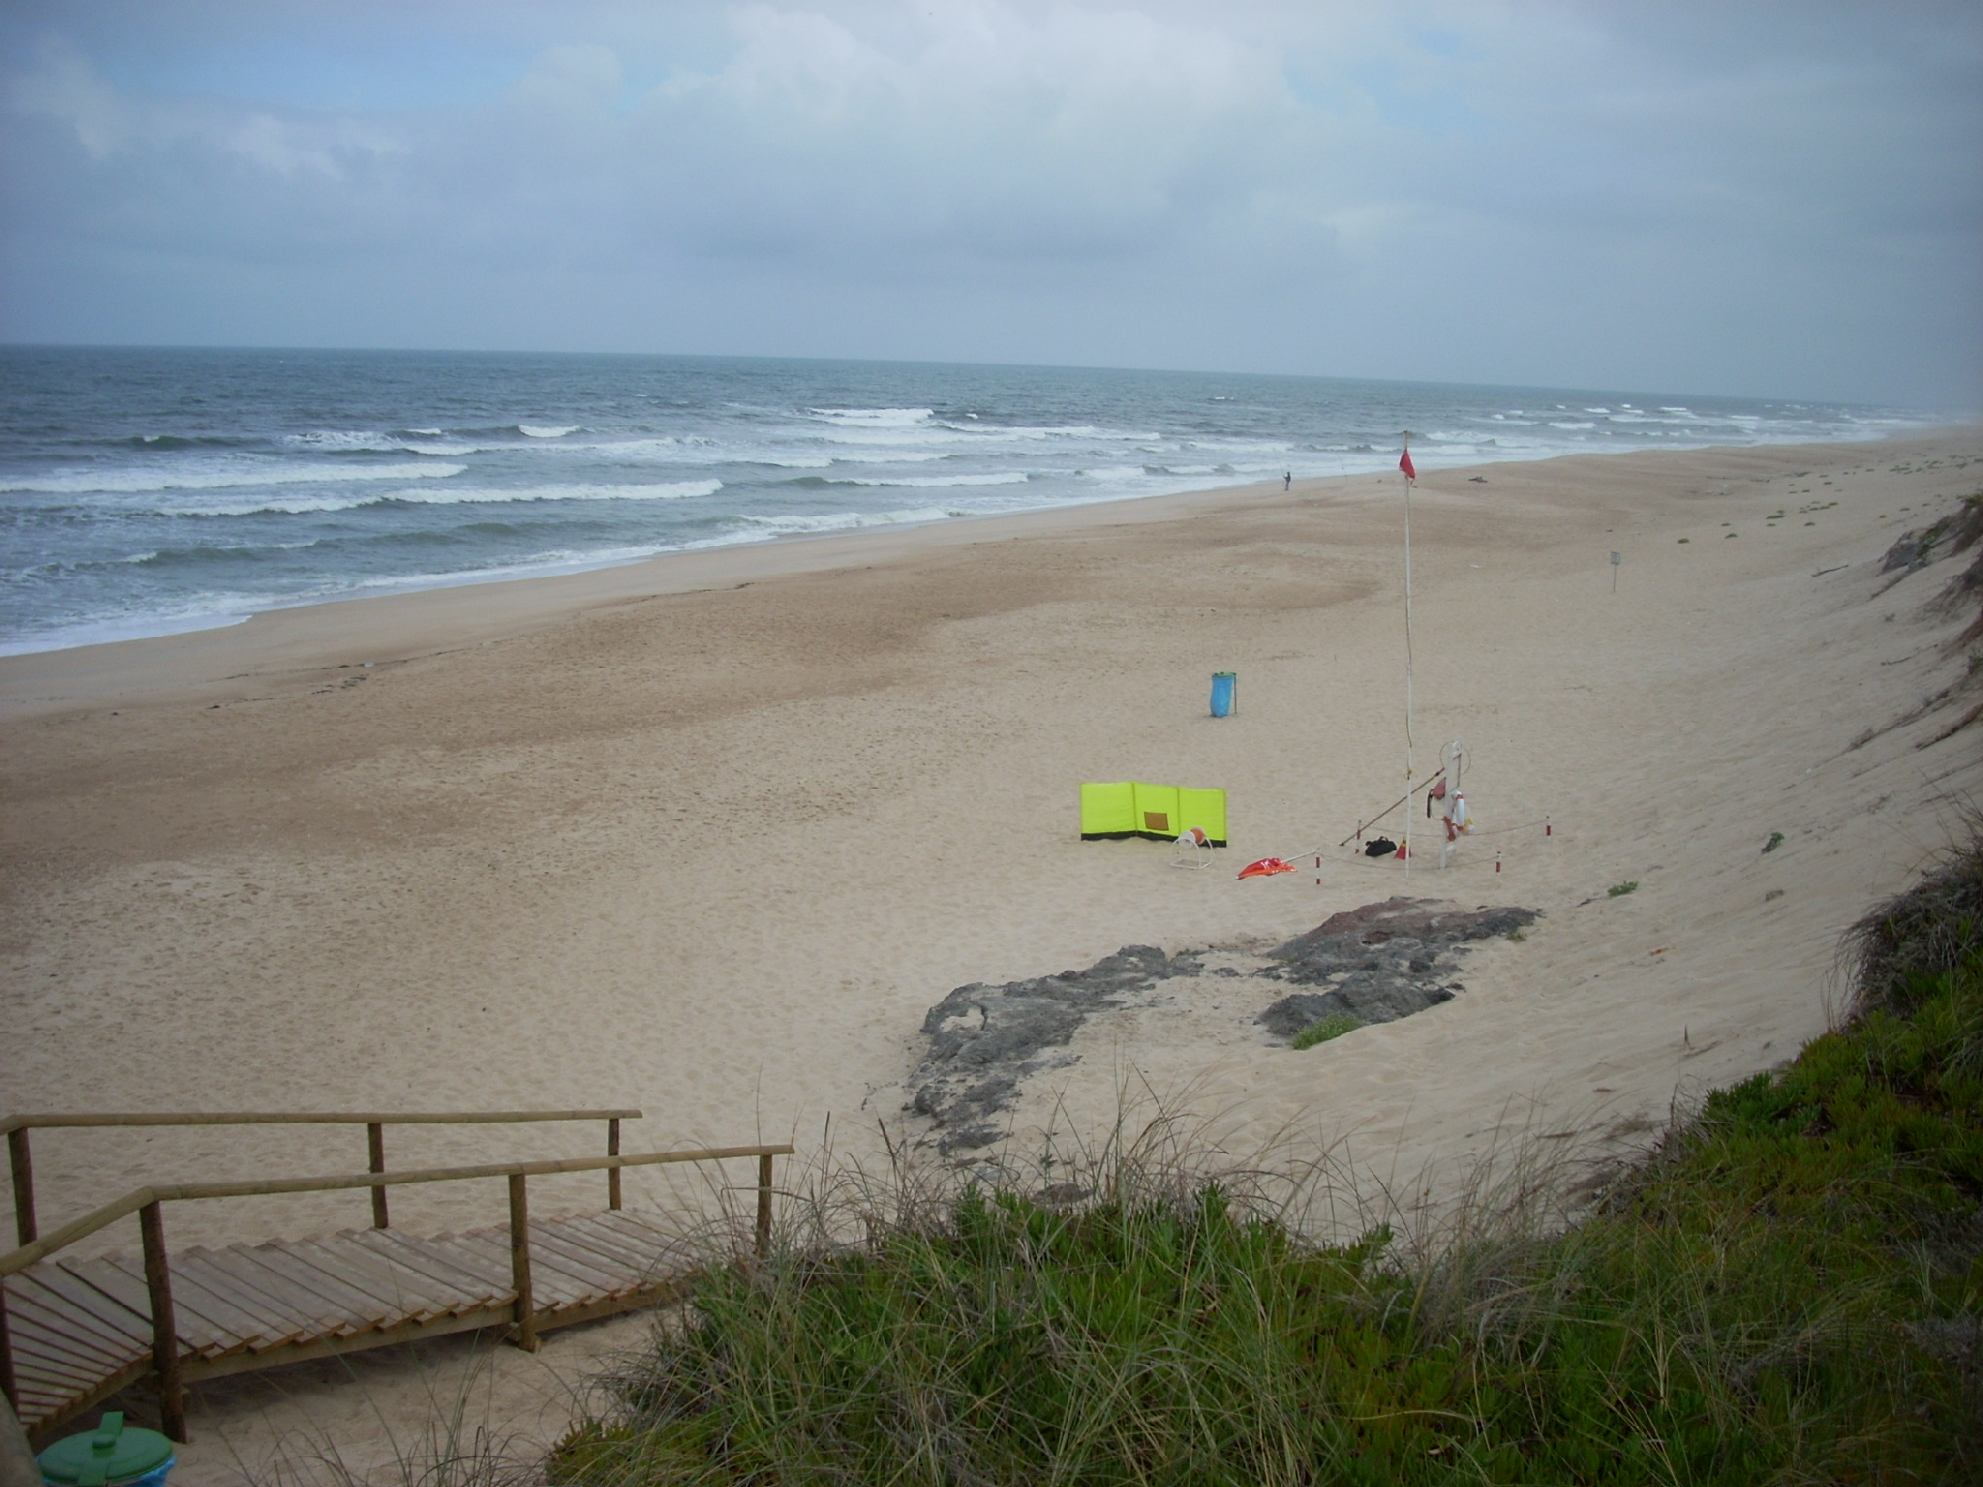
column 1770, row 199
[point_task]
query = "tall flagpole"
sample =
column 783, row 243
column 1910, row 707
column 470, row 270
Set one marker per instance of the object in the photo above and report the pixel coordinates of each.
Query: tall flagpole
column 1405, row 468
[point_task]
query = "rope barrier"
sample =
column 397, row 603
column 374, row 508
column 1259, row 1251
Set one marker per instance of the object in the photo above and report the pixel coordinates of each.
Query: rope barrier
column 1504, row 830
column 1437, row 775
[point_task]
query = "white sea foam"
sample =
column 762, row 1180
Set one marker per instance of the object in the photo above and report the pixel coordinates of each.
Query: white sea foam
column 842, row 521
column 1275, row 447
column 905, row 437
column 699, row 450
column 102, row 629
column 219, row 475
column 1572, row 425
column 646, row 491
column 462, row 495
column 1002, row 477
column 1049, row 431
column 366, row 441
column 874, row 417
column 360, row 439
column 553, row 560
column 547, row 430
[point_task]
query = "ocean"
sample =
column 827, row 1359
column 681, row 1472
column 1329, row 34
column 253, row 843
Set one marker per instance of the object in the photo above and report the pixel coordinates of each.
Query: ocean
column 149, row 491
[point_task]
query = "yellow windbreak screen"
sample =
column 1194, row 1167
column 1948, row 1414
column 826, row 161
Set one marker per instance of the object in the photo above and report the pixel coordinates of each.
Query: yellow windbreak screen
column 1205, row 809
column 1156, row 810
column 1159, row 812
column 1108, row 810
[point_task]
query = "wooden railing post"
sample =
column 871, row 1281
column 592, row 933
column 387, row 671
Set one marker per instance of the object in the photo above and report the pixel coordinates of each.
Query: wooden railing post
column 613, row 1173
column 164, row 1332
column 764, row 1207
column 375, row 1150
column 7, row 1386
column 526, row 1310
column 22, row 1162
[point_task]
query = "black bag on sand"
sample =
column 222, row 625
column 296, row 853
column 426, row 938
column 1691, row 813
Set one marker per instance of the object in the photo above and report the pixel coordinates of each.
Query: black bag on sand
column 1379, row 846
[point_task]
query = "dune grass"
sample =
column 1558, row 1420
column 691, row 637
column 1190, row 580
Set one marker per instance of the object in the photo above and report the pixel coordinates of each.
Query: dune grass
column 1790, row 1291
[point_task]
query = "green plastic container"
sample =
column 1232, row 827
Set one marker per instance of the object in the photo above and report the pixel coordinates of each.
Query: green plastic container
column 110, row 1456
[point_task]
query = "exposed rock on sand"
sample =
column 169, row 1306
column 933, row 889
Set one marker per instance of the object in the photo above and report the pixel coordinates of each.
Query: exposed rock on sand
column 985, row 1039
column 1379, row 963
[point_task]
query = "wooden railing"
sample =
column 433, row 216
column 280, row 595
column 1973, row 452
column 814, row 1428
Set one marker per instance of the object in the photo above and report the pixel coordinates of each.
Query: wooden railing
column 20, row 1157
column 148, row 1203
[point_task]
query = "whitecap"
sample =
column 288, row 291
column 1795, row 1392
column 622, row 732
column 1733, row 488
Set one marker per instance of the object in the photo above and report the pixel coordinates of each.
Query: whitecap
column 218, row 476
column 842, row 521
column 1005, row 477
column 547, row 430
column 460, row 495
column 367, row 441
column 457, row 495
column 873, row 417
column 364, row 440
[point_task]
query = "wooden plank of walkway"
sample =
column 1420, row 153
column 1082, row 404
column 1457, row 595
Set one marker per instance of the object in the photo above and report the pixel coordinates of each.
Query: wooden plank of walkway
column 197, row 1335
column 608, row 1241
column 62, row 1295
column 395, row 1290
column 81, row 1328
column 426, row 1258
column 340, row 1303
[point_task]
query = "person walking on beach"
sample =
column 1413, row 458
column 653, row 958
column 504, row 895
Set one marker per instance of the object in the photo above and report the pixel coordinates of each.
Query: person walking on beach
column 1287, row 480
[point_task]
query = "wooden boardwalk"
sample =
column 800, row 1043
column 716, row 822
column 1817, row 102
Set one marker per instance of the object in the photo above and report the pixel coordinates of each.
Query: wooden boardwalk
column 75, row 1330
column 82, row 1329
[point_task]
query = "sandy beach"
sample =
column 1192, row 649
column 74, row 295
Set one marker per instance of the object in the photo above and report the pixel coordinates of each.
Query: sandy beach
column 709, row 835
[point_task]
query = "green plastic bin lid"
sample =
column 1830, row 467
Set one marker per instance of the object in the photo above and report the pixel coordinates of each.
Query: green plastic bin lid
column 110, row 1454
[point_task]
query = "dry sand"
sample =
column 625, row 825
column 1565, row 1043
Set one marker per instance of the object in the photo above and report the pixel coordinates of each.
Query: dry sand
column 708, row 835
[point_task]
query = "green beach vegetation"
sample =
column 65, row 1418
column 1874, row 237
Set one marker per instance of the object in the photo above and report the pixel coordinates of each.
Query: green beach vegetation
column 1789, row 1290
column 1324, row 1029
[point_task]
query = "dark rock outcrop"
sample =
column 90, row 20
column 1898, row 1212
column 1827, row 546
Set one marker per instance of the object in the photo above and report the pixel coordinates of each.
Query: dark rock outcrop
column 1380, row 962
column 984, row 1039
column 1377, row 963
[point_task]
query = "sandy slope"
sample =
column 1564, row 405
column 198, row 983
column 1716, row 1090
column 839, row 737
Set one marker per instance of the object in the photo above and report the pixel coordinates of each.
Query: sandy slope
column 707, row 836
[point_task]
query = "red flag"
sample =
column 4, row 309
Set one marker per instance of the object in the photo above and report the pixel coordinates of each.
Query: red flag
column 1405, row 464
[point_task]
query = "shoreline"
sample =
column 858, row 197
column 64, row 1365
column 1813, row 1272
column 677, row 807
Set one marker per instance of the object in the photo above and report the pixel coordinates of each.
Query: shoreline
column 386, row 622
column 711, row 840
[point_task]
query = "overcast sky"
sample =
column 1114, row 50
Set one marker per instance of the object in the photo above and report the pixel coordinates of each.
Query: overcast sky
column 1774, row 199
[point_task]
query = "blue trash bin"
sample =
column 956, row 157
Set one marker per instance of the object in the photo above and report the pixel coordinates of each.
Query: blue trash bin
column 109, row 1456
column 1225, row 693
